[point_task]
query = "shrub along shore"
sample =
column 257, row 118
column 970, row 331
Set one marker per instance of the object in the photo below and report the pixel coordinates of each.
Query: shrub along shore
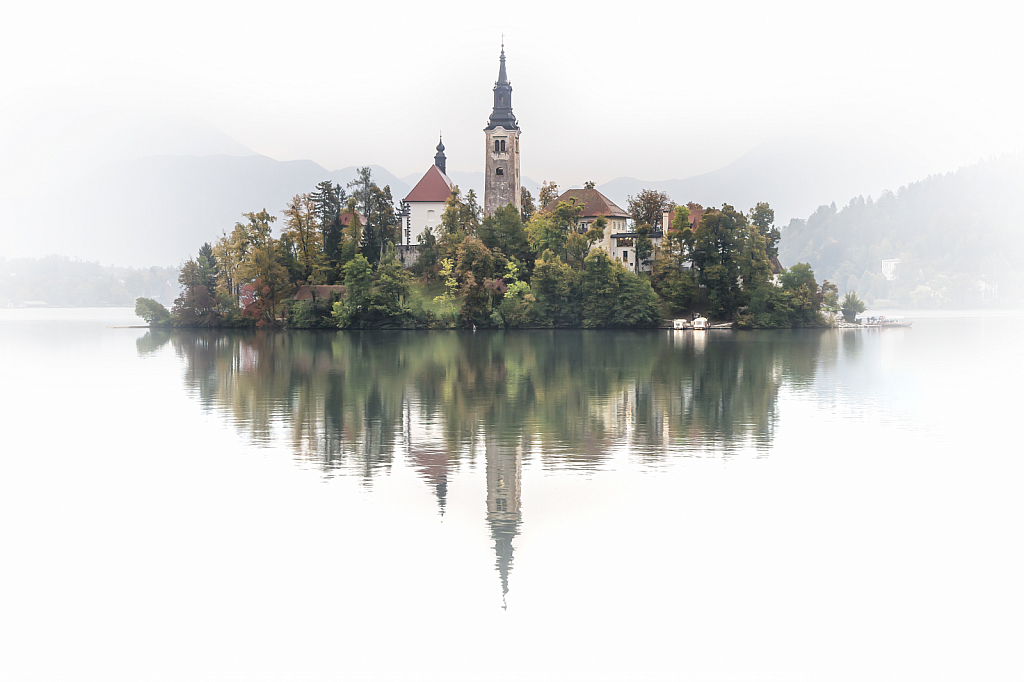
column 334, row 265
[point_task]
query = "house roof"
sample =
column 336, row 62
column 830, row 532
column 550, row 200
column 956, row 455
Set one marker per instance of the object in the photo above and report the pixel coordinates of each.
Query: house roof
column 346, row 218
column 433, row 186
column 594, row 203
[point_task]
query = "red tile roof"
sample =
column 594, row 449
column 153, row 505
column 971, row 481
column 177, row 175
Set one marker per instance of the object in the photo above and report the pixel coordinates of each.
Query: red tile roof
column 346, row 218
column 594, row 203
column 433, row 186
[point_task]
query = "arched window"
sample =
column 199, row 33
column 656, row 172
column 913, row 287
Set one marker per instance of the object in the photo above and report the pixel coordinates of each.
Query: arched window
column 499, row 171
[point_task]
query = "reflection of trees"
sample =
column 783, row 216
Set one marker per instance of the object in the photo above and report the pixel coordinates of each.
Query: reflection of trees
column 351, row 399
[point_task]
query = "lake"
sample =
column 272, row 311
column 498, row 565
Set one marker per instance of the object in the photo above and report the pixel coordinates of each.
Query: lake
column 565, row 505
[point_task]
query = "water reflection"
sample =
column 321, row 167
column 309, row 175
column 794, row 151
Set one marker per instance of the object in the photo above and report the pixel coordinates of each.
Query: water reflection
column 350, row 403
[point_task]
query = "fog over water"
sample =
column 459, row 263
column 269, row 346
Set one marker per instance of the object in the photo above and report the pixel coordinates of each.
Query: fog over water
column 818, row 504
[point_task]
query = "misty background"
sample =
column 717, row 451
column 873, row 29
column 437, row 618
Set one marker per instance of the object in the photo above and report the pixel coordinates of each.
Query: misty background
column 132, row 135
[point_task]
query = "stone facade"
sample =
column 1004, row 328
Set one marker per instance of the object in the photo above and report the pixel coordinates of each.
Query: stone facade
column 501, row 186
column 501, row 166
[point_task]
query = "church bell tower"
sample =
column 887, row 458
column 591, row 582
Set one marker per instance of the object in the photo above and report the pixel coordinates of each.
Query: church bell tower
column 501, row 169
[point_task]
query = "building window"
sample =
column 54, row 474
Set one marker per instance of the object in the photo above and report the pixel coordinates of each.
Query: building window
column 625, row 256
column 499, row 145
column 499, row 171
column 502, row 145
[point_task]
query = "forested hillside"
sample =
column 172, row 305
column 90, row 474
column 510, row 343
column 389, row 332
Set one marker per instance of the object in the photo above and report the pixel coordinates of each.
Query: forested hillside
column 58, row 281
column 957, row 237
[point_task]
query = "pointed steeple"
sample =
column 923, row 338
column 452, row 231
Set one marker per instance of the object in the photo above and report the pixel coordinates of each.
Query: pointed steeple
column 439, row 158
column 502, row 115
column 502, row 76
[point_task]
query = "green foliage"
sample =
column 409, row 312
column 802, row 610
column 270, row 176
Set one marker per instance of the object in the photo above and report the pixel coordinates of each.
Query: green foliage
column 615, row 297
column 503, row 231
column 852, row 303
column 474, row 267
column 647, row 207
column 153, row 312
column 949, row 232
column 644, row 246
column 353, row 312
column 447, row 301
column 382, row 223
column 548, row 193
column 557, row 288
column 545, row 235
column 528, row 207
column 516, row 308
column 829, row 295
column 762, row 217
column 716, row 245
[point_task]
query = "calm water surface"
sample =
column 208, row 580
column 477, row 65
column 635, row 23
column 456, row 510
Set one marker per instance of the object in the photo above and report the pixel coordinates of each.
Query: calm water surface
column 793, row 505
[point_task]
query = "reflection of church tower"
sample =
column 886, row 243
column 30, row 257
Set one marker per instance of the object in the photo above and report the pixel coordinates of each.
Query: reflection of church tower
column 501, row 168
column 504, row 471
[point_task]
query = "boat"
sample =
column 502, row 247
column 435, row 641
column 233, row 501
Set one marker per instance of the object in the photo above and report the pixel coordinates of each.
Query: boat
column 700, row 323
column 884, row 321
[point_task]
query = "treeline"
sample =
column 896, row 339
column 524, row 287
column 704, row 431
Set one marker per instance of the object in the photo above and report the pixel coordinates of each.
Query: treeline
column 954, row 235
column 58, row 281
column 516, row 268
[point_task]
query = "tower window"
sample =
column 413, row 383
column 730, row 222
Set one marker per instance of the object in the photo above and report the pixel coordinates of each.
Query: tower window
column 502, row 145
column 499, row 171
column 499, row 146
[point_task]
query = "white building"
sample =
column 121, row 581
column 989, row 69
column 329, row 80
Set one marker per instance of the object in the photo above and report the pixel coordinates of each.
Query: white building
column 889, row 268
column 425, row 203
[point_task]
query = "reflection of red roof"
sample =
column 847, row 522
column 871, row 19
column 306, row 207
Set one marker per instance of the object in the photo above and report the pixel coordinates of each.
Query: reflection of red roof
column 433, row 186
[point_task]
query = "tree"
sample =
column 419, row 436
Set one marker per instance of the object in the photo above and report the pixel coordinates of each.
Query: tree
column 382, row 223
column 260, row 266
column 648, row 206
column 528, row 208
column 153, row 312
column 459, row 220
column 763, row 218
column 516, row 307
column 556, row 287
column 302, row 239
column 715, row 246
column 207, row 263
column 545, row 235
column 194, row 306
column 829, row 295
column 353, row 312
column 328, row 200
column 799, row 282
column 614, row 296
column 352, row 237
column 362, row 188
column 447, row 300
column 644, row 246
column 589, row 184
column 596, row 231
column 851, row 306
column 473, row 267
column 548, row 193
column 503, row 231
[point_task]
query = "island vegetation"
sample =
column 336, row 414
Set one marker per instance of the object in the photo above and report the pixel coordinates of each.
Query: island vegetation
column 334, row 264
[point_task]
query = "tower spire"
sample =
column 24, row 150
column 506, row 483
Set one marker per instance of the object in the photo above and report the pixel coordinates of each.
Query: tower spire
column 439, row 157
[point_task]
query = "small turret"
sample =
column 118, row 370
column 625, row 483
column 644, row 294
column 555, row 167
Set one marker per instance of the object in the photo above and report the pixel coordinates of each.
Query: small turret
column 439, row 158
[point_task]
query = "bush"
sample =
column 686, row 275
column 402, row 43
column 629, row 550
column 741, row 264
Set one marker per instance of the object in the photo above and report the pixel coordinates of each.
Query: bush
column 153, row 312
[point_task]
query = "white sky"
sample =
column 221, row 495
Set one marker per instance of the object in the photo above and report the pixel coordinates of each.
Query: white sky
column 649, row 90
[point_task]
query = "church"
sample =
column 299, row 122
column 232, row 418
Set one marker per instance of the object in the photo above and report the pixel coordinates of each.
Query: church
column 423, row 206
